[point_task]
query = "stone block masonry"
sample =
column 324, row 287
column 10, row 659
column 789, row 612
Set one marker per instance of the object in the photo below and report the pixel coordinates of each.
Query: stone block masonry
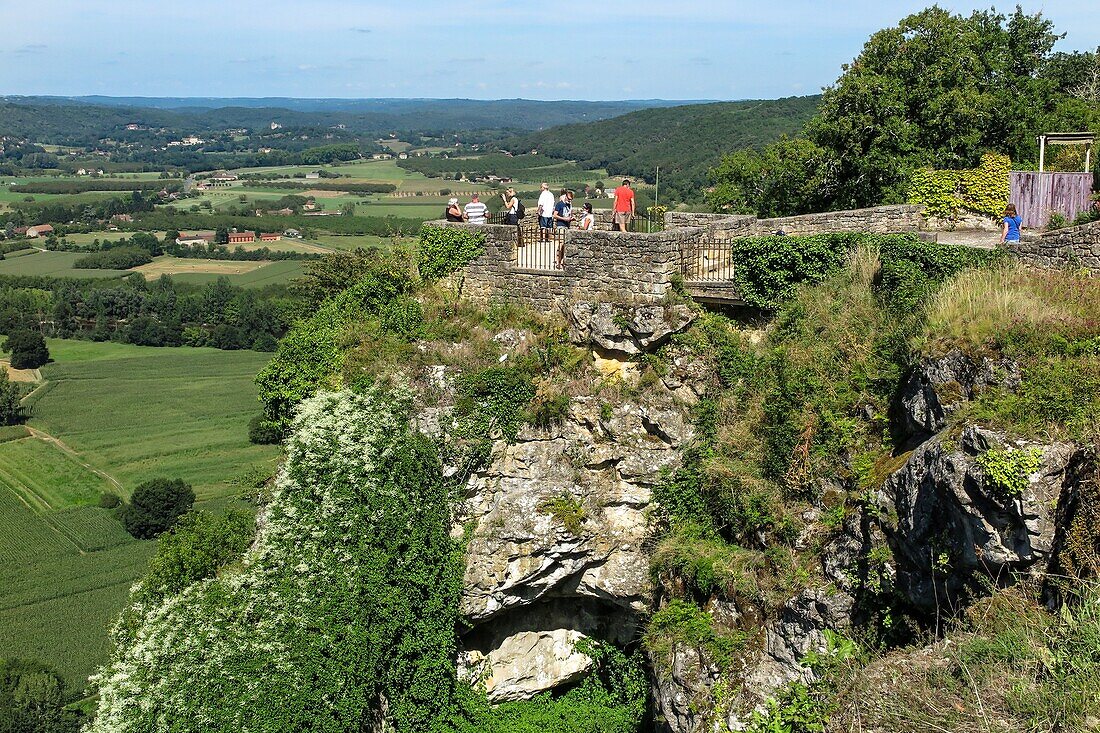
column 598, row 265
column 636, row 268
column 876, row 220
column 1072, row 247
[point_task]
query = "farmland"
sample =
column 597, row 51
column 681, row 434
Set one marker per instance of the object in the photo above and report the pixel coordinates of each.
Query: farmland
column 53, row 264
column 269, row 273
column 179, row 265
column 66, row 564
column 179, row 412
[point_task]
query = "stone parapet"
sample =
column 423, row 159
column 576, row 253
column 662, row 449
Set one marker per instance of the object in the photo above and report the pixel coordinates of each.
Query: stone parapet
column 876, row 220
column 1077, row 246
column 598, row 265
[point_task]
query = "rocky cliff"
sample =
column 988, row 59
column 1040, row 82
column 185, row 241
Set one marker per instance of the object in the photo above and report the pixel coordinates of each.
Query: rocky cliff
column 559, row 527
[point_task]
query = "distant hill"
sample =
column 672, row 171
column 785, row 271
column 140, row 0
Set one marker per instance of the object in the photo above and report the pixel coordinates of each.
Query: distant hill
column 21, row 116
column 684, row 141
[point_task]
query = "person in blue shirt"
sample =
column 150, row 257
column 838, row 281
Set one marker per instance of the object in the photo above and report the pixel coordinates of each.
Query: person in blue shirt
column 563, row 210
column 1010, row 227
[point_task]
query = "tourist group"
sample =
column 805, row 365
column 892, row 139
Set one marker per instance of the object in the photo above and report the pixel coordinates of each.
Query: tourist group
column 552, row 212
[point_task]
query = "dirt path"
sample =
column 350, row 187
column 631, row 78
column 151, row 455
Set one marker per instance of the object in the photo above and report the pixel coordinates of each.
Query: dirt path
column 61, row 445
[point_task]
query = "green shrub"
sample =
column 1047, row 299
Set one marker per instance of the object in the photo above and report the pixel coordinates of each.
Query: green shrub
column 1057, row 394
column 108, row 500
column 492, row 402
column 769, row 268
column 1006, row 471
column 402, row 316
column 683, row 623
column 567, row 510
column 442, row 250
column 262, row 431
column 156, row 505
column 32, row 699
column 1056, row 221
column 548, row 410
column 11, row 408
column 947, row 193
column 197, row 547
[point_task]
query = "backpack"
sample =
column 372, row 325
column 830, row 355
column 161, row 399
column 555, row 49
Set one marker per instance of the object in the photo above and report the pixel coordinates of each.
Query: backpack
column 521, row 211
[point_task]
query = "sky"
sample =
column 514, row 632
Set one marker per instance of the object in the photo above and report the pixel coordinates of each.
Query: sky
column 489, row 49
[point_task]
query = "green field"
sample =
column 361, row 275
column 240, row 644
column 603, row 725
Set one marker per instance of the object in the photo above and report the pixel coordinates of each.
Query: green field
column 275, row 273
column 52, row 264
column 133, row 412
column 45, row 478
column 65, row 565
column 173, row 412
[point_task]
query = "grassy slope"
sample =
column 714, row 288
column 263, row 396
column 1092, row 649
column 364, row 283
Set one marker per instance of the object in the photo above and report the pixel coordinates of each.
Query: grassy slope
column 135, row 412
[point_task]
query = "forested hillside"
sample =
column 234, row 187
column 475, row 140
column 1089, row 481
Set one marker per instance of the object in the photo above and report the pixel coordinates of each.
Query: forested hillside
column 75, row 122
column 684, row 141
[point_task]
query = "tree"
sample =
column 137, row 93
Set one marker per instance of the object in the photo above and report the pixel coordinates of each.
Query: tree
column 11, row 412
column 28, row 349
column 32, row 699
column 787, row 177
column 156, row 505
column 221, row 235
column 938, row 90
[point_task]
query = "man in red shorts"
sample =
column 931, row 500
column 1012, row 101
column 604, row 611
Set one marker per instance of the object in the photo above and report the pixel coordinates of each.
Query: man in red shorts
column 624, row 206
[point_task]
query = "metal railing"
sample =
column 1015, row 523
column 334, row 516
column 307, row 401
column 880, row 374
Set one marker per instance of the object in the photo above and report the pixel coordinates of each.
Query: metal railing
column 538, row 248
column 535, row 248
column 707, row 260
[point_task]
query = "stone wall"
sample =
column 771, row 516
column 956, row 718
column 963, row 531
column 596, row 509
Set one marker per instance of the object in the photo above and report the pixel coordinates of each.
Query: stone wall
column 877, row 220
column 598, row 265
column 1072, row 247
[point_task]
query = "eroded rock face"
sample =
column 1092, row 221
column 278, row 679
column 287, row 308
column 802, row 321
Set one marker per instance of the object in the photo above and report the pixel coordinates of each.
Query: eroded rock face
column 559, row 517
column 626, row 329
column 561, row 512
column 686, row 686
column 527, row 663
column 941, row 384
column 683, row 690
column 952, row 524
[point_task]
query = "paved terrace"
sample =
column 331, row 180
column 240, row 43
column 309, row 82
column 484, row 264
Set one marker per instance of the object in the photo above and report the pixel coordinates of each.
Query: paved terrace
column 520, row 265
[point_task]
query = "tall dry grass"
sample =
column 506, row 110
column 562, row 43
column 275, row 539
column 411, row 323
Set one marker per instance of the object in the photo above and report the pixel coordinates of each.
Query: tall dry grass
column 978, row 307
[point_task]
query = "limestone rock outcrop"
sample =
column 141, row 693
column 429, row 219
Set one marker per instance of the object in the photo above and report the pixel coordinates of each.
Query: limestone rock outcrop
column 941, row 384
column 953, row 524
column 559, row 517
column 626, row 329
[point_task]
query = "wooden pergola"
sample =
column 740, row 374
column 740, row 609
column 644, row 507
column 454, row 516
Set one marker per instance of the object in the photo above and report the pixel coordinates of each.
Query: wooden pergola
column 1066, row 138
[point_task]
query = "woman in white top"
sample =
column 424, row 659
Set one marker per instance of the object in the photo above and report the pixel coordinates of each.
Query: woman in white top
column 588, row 221
column 511, row 203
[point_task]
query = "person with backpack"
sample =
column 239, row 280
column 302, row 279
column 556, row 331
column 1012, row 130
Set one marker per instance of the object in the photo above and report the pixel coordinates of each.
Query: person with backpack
column 512, row 207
